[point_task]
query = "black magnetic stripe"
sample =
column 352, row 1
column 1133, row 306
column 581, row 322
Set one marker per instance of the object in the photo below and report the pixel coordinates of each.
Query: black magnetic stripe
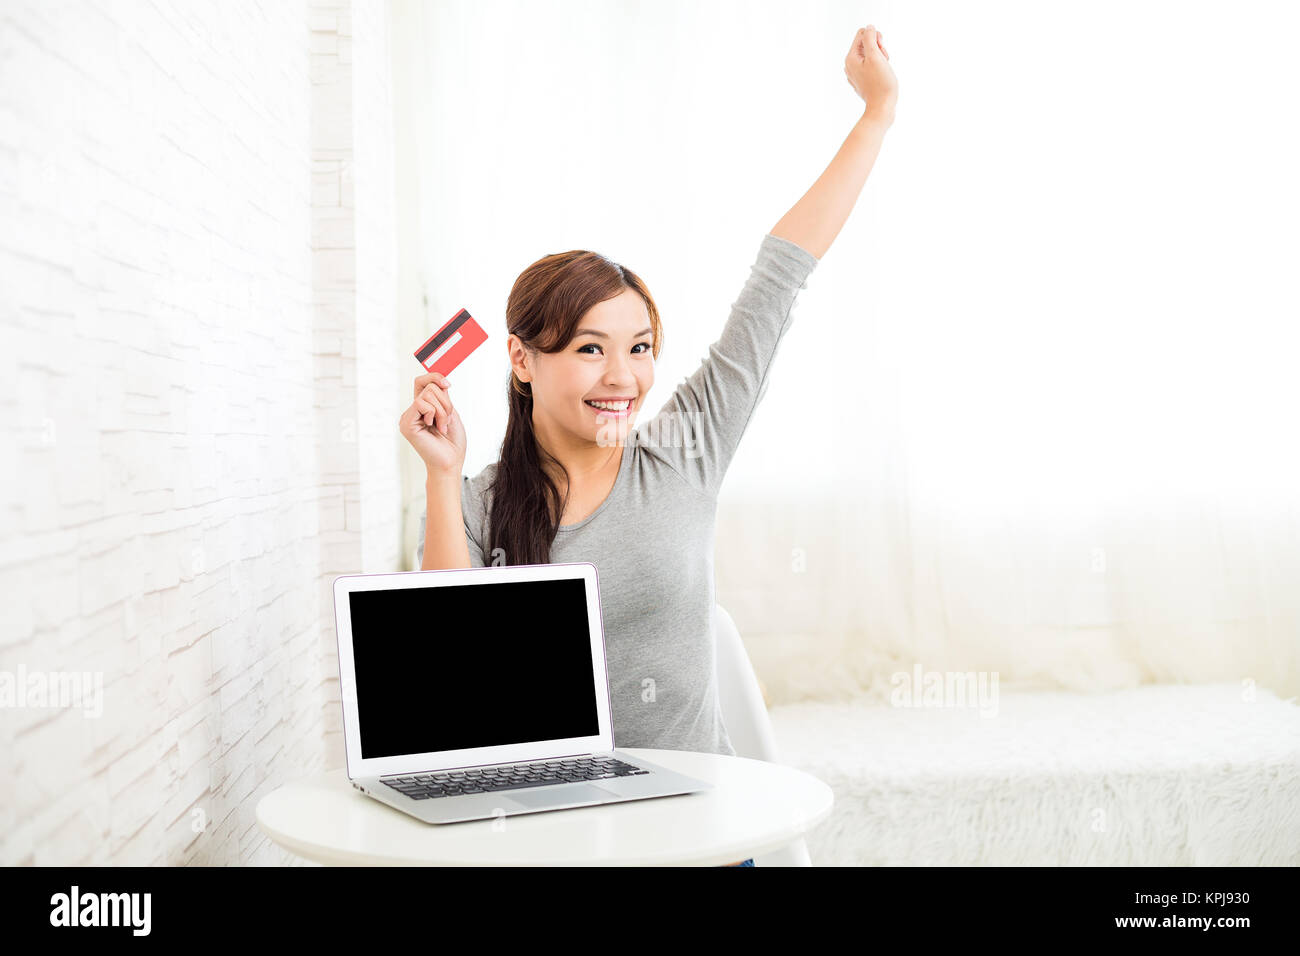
column 435, row 343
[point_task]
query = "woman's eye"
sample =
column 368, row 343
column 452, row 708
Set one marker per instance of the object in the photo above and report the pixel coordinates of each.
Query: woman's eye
column 593, row 345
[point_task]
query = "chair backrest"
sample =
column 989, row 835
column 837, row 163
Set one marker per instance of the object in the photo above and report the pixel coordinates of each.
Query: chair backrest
column 747, row 720
column 740, row 697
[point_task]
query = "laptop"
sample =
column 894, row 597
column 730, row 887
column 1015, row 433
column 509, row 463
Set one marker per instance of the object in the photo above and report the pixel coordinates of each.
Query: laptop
column 477, row 693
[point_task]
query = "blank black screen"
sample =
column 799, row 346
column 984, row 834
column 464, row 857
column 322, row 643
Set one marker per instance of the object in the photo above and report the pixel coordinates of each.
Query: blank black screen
column 472, row 665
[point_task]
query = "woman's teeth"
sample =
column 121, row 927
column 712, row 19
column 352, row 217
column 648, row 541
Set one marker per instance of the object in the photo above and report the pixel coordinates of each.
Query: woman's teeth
column 611, row 406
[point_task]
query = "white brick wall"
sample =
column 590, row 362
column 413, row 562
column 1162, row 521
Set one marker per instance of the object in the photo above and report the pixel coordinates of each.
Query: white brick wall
column 198, row 387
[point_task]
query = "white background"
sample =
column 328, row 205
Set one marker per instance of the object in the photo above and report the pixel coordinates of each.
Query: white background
column 1036, row 410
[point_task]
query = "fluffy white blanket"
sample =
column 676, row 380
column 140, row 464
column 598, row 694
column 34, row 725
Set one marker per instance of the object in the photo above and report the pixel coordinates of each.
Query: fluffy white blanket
column 1161, row 775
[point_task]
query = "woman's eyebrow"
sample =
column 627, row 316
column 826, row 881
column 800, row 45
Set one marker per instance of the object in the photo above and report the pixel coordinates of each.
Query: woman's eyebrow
column 602, row 335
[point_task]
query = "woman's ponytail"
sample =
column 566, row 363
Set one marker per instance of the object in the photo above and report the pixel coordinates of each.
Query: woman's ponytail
column 547, row 302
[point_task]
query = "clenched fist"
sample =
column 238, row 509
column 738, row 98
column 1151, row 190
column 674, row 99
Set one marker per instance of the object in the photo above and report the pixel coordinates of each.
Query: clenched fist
column 868, row 71
column 433, row 428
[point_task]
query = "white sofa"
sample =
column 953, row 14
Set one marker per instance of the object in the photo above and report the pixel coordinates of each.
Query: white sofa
column 1160, row 775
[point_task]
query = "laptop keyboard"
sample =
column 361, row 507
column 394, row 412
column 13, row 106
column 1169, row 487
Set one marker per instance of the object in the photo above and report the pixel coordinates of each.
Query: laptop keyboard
column 454, row 783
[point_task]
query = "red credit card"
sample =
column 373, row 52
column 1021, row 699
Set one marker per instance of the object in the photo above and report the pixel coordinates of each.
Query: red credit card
column 448, row 346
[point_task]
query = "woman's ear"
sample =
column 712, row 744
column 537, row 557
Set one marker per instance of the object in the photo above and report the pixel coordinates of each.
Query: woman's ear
column 518, row 358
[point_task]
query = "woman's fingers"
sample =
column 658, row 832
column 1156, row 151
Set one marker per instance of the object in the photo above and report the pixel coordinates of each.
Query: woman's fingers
column 430, row 378
column 863, row 42
column 413, row 420
column 439, row 396
column 441, row 393
column 867, row 37
column 433, row 412
column 427, row 410
column 432, row 400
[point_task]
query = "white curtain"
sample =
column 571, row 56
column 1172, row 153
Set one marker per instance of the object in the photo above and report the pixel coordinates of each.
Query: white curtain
column 1036, row 412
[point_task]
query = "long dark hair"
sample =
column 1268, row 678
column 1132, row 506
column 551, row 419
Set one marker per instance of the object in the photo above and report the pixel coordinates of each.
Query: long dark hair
column 546, row 303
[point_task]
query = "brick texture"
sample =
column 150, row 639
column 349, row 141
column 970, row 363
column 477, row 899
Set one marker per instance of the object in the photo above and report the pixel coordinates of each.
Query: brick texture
column 198, row 397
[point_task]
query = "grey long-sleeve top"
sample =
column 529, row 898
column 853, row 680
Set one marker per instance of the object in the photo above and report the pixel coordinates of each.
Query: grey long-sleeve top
column 651, row 540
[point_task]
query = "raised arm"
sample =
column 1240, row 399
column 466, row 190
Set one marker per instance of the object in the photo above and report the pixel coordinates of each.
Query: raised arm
column 700, row 426
column 817, row 218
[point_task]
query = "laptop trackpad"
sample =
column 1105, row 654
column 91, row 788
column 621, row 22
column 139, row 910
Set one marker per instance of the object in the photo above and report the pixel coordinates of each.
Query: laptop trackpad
column 579, row 793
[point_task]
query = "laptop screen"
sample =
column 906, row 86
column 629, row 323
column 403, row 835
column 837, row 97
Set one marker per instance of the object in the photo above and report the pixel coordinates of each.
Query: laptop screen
column 472, row 665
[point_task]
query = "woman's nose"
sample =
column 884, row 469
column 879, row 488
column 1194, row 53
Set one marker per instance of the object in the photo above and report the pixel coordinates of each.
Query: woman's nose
column 618, row 371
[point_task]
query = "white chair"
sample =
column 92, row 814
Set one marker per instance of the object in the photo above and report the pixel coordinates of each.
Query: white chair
column 746, row 717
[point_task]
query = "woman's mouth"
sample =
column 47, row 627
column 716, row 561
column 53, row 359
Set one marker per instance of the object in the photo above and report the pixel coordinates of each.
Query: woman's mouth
column 611, row 409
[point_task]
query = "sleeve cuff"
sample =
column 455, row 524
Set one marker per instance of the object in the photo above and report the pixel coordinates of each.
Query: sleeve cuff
column 790, row 261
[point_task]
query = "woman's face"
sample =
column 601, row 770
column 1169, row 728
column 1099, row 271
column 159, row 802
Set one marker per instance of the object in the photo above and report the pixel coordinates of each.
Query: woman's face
column 609, row 360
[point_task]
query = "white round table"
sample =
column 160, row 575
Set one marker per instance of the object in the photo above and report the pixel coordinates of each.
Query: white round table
column 755, row 807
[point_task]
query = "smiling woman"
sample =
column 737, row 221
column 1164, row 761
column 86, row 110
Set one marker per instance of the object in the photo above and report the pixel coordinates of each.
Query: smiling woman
column 616, row 406
column 640, row 503
column 584, row 334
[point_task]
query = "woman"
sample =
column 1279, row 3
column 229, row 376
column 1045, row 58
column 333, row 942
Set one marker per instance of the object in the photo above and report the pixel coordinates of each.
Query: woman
column 574, row 481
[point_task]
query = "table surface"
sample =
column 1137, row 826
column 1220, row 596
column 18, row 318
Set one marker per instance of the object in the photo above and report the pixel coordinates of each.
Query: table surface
column 755, row 807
